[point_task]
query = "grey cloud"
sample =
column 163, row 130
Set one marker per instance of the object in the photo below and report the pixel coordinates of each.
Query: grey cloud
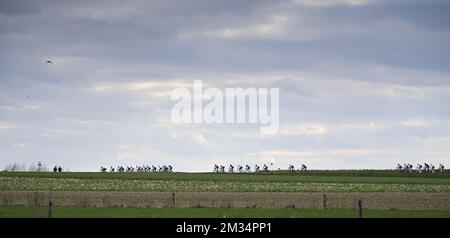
column 379, row 62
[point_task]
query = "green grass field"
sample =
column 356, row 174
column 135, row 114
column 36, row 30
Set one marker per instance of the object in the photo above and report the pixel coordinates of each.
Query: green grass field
column 90, row 212
column 385, row 182
column 311, row 181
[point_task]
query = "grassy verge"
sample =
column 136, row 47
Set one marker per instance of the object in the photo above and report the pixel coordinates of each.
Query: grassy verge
column 89, row 212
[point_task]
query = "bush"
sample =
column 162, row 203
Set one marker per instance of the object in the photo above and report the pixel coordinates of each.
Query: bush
column 15, row 167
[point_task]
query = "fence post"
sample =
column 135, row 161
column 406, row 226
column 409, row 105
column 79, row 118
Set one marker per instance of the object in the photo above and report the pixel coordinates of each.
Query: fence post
column 324, row 201
column 50, row 209
column 360, row 208
column 173, row 200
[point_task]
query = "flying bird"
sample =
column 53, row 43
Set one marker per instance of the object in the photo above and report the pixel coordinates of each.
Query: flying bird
column 49, row 62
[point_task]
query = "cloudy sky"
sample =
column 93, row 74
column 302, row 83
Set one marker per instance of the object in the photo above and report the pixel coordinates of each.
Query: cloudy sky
column 363, row 84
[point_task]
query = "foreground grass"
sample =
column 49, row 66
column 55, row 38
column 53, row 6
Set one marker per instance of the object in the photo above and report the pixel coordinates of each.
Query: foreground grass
column 92, row 212
column 127, row 185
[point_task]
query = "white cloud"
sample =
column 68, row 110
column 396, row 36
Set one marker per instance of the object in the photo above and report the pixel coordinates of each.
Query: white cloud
column 303, row 129
column 8, row 125
column 323, row 3
column 417, row 122
column 272, row 27
column 362, row 126
column 105, row 12
column 20, row 146
column 200, row 139
column 319, row 152
column 136, row 86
